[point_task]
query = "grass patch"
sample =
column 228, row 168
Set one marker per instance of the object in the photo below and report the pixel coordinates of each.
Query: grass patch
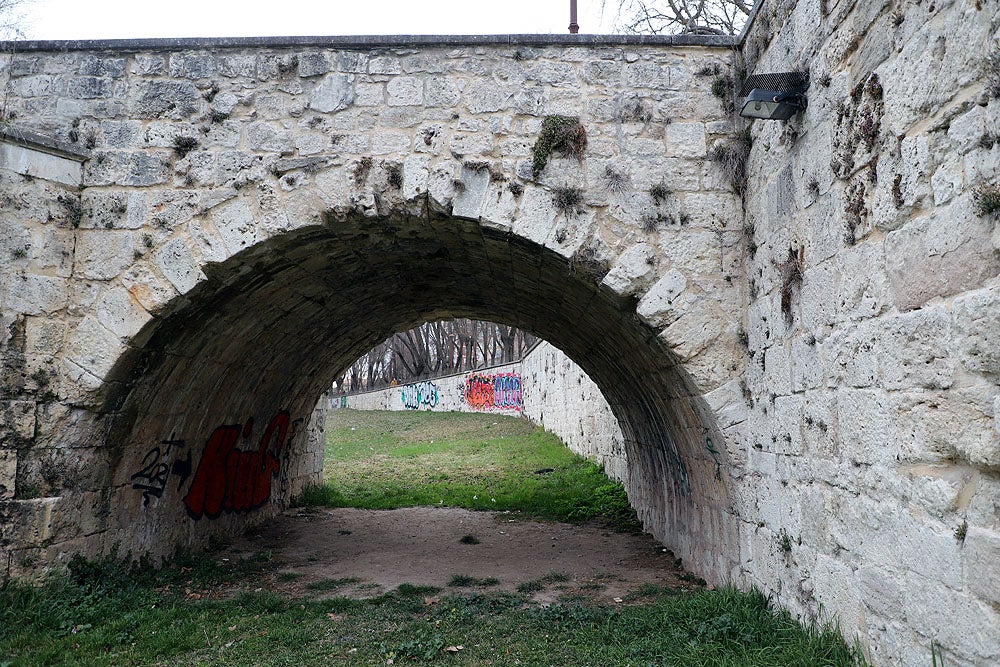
column 387, row 460
column 104, row 613
column 465, row 581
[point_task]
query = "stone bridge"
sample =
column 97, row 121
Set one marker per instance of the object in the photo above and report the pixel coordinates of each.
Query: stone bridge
column 197, row 236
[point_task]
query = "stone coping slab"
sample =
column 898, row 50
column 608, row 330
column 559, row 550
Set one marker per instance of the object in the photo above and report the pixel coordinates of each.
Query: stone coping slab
column 27, row 139
column 366, row 42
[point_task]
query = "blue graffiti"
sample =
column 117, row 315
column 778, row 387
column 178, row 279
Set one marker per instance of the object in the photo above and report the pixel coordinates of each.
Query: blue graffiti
column 420, row 394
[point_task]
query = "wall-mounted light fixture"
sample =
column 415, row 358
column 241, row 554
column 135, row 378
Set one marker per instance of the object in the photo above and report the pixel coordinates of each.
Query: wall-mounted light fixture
column 777, row 96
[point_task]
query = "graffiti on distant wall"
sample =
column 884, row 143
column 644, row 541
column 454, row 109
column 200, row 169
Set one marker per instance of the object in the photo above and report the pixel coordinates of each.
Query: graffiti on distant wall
column 420, row 394
column 501, row 391
column 238, row 480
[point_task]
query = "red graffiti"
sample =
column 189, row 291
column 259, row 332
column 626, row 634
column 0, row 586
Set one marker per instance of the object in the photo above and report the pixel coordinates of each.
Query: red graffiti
column 479, row 392
column 232, row 480
column 494, row 392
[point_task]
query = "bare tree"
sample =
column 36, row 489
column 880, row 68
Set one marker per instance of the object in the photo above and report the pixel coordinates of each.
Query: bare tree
column 698, row 17
column 434, row 349
column 11, row 19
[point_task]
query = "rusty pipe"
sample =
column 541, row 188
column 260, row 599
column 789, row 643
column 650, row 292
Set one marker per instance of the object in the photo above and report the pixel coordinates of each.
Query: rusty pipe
column 574, row 28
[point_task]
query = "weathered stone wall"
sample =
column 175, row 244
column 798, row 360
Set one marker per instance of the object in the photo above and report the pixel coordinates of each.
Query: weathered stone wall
column 872, row 447
column 254, row 214
column 556, row 394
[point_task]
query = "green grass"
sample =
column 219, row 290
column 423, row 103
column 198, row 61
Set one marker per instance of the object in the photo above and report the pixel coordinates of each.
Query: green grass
column 386, row 460
column 204, row 610
column 143, row 617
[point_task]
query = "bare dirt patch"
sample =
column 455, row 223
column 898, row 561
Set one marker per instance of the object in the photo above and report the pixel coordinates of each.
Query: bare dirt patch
column 362, row 553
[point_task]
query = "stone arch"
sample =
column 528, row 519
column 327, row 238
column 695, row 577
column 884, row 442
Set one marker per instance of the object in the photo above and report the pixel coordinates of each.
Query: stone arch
column 237, row 362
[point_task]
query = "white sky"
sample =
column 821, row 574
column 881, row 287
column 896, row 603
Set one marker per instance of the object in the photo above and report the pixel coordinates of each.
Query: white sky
column 120, row 19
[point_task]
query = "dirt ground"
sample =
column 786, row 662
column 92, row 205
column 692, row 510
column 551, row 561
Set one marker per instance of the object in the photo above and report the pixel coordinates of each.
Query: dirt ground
column 379, row 550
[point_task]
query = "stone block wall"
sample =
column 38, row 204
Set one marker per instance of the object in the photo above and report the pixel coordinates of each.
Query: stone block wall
column 871, row 455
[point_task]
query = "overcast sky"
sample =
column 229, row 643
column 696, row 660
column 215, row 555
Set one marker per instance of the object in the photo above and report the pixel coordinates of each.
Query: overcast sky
column 115, row 19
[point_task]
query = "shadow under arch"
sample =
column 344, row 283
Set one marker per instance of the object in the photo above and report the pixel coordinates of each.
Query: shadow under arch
column 269, row 328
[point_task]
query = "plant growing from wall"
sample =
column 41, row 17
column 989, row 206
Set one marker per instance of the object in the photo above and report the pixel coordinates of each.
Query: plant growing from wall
column 991, row 67
column 588, row 259
column 568, row 200
column 560, row 134
column 184, row 145
column 986, row 199
column 791, row 271
column 731, row 155
column 394, row 175
column 617, row 181
column 361, row 170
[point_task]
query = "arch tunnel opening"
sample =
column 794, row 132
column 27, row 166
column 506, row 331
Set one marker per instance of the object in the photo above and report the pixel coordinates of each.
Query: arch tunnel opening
column 226, row 378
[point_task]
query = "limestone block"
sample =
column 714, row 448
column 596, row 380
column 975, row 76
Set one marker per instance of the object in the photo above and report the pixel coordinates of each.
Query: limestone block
column 657, row 305
column 469, row 200
column 500, row 208
column 836, row 587
column 333, row 93
column 369, row 94
column 555, row 74
column 977, row 330
column 44, row 335
column 914, row 350
column 405, row 91
column 693, row 330
column 442, row 91
column 867, row 423
column 264, row 137
column 384, row 143
column 132, row 168
column 849, row 356
column 192, row 65
column 148, row 289
column 19, row 419
column 93, row 348
column 384, row 65
column 778, row 370
column 177, row 265
column 950, row 425
column 32, row 294
column 951, row 247
column 8, row 471
column 807, row 363
column 864, row 283
column 487, row 96
column 915, row 167
column 817, row 304
column 633, row 271
column 982, row 556
column 415, row 175
column 165, row 99
column 236, row 225
column 313, row 64
column 948, row 181
column 695, row 252
column 119, row 312
column 954, row 619
column 685, row 140
column 571, row 231
column 538, row 215
column 818, row 423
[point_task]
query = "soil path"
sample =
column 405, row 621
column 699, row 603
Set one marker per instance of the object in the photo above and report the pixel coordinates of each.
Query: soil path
column 380, row 549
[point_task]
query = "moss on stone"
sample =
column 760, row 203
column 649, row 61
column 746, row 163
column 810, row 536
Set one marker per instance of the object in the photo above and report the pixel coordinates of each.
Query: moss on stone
column 562, row 134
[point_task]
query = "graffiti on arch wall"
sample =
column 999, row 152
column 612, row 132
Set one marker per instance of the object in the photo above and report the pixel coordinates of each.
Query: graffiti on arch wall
column 235, row 473
column 420, row 395
column 490, row 392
